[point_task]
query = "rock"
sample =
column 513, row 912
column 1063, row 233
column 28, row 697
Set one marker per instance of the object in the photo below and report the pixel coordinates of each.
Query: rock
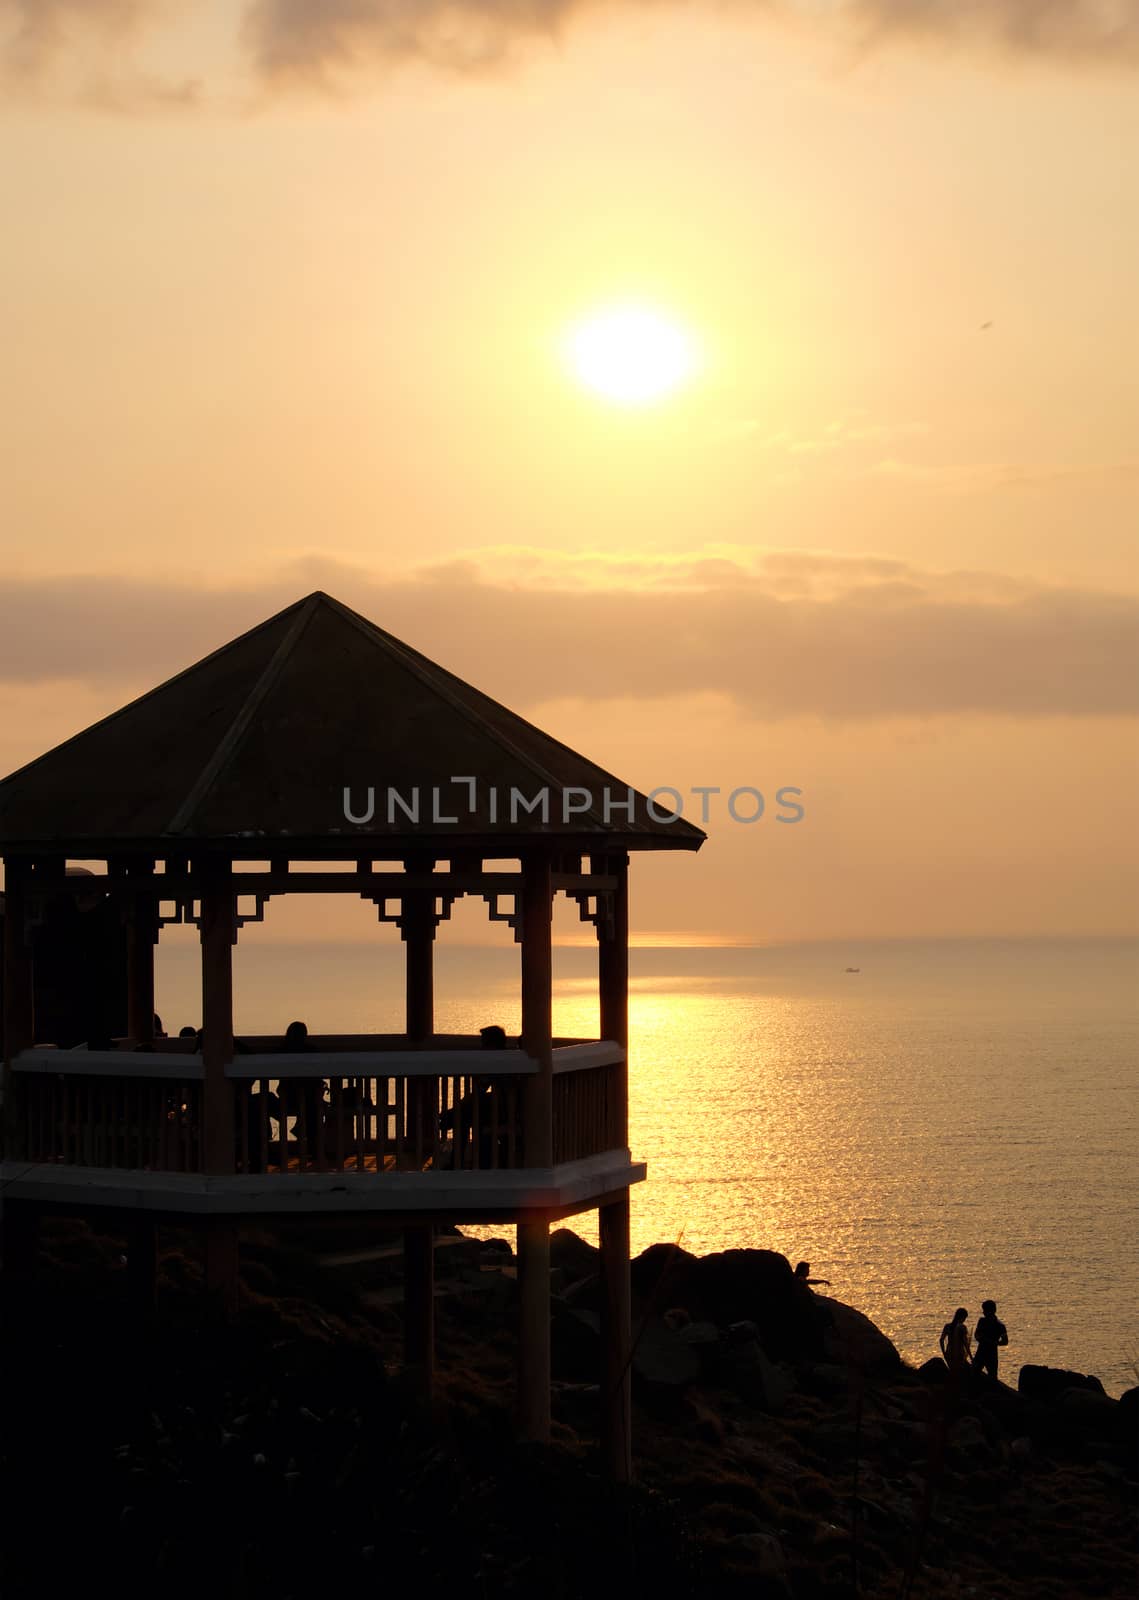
column 747, row 1369
column 572, row 1254
column 1049, row 1383
column 733, row 1286
column 1129, row 1428
column 742, row 1332
column 1094, row 1415
column 585, row 1294
column 934, row 1371
column 852, row 1339
column 659, row 1268
column 777, row 1384
column 969, row 1442
column 765, row 1559
column 662, row 1357
column 697, row 1333
column 575, row 1344
column 496, row 1250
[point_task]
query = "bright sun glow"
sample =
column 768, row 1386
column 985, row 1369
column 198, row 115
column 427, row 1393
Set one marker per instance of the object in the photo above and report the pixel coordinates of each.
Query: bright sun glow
column 630, row 354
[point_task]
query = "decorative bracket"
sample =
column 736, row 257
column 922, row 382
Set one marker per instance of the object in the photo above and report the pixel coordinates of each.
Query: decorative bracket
column 602, row 914
column 183, row 913
column 512, row 918
column 241, row 918
column 441, row 909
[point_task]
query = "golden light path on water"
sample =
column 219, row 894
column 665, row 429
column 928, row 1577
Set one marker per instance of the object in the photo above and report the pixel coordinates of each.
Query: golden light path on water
column 957, row 1120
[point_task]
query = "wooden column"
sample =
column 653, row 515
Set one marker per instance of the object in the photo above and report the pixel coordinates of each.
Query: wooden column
column 141, row 929
column 616, row 1378
column 537, row 1010
column 417, row 925
column 19, row 990
column 613, row 1219
column 533, row 1265
column 538, row 1150
column 218, row 930
column 613, row 976
column 20, row 1219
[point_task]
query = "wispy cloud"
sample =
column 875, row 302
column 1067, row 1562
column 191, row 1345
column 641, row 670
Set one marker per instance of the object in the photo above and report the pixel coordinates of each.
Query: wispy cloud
column 782, row 634
column 94, row 45
column 333, row 43
column 323, row 38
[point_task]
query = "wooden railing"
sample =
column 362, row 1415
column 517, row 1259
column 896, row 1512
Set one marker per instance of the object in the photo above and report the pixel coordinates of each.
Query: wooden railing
column 586, row 1113
column 371, row 1110
column 88, row 1120
column 389, row 1123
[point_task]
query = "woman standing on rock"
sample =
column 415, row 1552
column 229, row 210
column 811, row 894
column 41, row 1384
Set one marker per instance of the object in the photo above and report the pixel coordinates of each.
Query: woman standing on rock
column 955, row 1342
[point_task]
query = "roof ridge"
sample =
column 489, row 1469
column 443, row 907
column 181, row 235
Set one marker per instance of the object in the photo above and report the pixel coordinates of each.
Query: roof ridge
column 418, row 664
column 230, row 741
column 159, row 688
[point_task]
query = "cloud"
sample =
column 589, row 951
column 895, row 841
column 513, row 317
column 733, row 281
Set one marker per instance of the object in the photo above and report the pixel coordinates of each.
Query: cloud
column 323, row 39
column 780, row 634
column 329, row 43
column 93, row 44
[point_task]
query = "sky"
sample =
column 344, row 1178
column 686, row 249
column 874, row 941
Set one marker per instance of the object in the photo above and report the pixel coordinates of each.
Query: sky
column 282, row 299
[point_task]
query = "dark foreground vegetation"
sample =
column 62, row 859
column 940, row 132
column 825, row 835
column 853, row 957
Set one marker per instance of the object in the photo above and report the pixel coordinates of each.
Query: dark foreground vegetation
column 782, row 1448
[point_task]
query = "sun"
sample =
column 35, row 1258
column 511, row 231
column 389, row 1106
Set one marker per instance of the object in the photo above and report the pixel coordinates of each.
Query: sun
column 630, row 355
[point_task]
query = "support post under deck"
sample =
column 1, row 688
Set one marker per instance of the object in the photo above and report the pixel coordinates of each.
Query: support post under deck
column 534, row 1331
column 616, row 1378
column 218, row 934
column 419, row 1306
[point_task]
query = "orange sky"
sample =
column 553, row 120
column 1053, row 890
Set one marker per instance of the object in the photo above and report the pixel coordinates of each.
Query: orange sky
column 280, row 303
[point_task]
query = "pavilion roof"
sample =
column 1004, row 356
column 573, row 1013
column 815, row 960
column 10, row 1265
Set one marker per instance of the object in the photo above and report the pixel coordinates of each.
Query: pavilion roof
column 258, row 742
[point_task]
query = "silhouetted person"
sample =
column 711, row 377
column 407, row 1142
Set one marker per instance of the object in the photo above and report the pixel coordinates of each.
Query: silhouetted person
column 188, row 1032
column 990, row 1335
column 296, row 1038
column 297, row 1042
column 954, row 1342
column 158, row 1030
column 461, row 1117
column 803, row 1275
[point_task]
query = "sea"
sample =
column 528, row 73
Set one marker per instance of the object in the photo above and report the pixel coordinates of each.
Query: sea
column 929, row 1123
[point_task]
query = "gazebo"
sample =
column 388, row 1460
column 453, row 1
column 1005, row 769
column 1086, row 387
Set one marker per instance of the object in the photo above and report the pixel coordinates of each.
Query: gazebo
column 317, row 738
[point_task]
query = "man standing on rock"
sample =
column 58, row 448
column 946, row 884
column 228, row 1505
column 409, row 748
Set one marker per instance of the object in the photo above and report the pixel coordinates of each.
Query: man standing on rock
column 990, row 1335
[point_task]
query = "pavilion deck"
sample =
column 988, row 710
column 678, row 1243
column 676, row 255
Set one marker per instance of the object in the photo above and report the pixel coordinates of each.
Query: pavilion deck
column 358, row 1104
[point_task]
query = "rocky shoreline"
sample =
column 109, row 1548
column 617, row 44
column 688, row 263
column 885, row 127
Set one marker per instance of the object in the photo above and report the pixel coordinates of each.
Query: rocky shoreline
column 782, row 1446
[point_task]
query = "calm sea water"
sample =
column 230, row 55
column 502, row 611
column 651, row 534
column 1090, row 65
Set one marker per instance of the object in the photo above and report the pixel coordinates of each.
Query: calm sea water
column 956, row 1120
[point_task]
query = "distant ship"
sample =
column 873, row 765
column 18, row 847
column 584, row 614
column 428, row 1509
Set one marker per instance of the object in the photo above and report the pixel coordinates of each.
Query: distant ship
column 854, row 969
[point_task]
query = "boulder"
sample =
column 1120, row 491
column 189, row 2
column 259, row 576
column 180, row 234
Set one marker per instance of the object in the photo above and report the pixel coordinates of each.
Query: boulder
column 764, row 1559
column 662, row 1357
column 1049, row 1383
column 662, row 1271
column 699, row 1334
column 575, row 1344
column 853, row 1340
column 969, row 1443
column 934, row 1371
column 747, row 1369
column 1094, row 1416
column 570, row 1252
column 733, row 1286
